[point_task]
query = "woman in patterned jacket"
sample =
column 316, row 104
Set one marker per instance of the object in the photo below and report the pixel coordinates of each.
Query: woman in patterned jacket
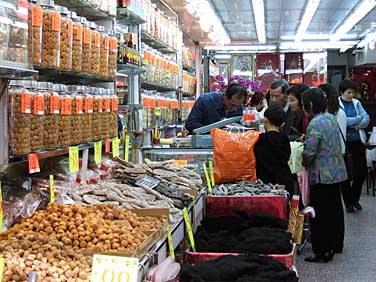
column 322, row 156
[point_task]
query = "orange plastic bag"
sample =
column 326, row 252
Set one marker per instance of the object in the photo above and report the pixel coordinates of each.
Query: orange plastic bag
column 234, row 159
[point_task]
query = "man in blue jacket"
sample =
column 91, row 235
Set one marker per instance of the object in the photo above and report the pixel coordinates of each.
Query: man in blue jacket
column 213, row 107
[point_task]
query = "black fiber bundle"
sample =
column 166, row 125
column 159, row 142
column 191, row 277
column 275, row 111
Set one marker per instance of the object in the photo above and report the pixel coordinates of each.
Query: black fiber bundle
column 258, row 240
column 251, row 268
column 239, row 221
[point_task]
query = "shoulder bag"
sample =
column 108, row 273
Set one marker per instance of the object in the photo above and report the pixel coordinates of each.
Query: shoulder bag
column 347, row 158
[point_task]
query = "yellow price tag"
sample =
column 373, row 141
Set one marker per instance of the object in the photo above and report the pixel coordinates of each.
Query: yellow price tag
column 73, row 159
column 207, row 178
column 189, row 229
column 182, row 163
column 98, row 152
column 1, row 269
column 211, row 171
column 52, row 190
column 157, row 111
column 114, row 269
column 115, row 147
column 170, row 244
column 126, row 148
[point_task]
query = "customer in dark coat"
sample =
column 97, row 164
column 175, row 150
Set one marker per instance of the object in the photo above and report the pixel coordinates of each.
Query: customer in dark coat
column 272, row 150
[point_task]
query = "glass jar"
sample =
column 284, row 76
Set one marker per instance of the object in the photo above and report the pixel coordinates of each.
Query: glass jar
column 97, row 113
column 104, row 52
column 66, row 39
column 4, row 35
column 106, row 115
column 86, row 48
column 77, row 113
column 77, row 42
column 19, row 118
column 114, row 113
column 37, row 116
column 18, row 42
column 52, row 115
column 87, row 118
column 112, row 55
column 35, row 33
column 50, row 35
column 95, row 49
column 65, row 121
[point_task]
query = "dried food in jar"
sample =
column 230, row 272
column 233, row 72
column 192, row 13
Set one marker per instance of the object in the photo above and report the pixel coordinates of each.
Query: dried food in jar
column 66, row 37
column 52, row 115
column 77, row 113
column 105, row 46
column 86, row 48
column 20, row 115
column 97, row 114
column 65, row 121
column 35, row 33
column 50, row 35
column 95, row 49
column 77, row 42
column 4, row 35
column 17, row 45
column 112, row 56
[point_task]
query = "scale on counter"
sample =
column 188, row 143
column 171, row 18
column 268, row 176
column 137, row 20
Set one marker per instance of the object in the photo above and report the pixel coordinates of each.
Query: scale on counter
column 202, row 140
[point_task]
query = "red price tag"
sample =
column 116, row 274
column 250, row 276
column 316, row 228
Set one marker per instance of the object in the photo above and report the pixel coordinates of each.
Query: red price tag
column 97, row 40
column 79, row 105
column 70, row 28
column 89, row 105
column 79, row 32
column 107, row 105
column 106, row 42
column 56, row 21
column 66, row 106
column 115, row 104
column 54, row 104
column 38, row 105
column 25, row 103
column 33, row 163
column 113, row 45
column 107, row 145
column 87, row 36
column 100, row 105
column 36, row 16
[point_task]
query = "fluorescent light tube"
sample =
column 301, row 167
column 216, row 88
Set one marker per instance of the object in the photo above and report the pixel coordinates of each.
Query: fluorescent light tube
column 309, row 12
column 359, row 13
column 258, row 11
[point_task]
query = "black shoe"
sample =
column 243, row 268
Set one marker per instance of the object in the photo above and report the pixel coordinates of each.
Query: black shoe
column 317, row 258
column 350, row 210
column 358, row 206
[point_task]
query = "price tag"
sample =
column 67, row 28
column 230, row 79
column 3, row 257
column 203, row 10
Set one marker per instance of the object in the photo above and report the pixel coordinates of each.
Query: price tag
column 100, row 104
column 56, row 21
column 52, row 190
column 107, row 105
column 70, row 28
column 54, row 105
column 207, row 178
column 182, row 163
column 115, row 104
column 170, row 244
column 113, row 45
column 114, row 268
column 189, row 228
column 211, row 171
column 89, row 105
column 79, row 105
column 115, row 147
column 158, row 111
column 87, row 36
column 66, row 106
column 98, row 152
column 38, row 105
column 33, row 163
column 126, row 148
column 106, row 42
column 73, row 159
column 1, row 217
column 107, row 146
column 79, row 31
column 36, row 16
column 25, row 103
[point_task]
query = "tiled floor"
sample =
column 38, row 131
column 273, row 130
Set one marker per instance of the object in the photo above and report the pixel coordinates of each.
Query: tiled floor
column 357, row 263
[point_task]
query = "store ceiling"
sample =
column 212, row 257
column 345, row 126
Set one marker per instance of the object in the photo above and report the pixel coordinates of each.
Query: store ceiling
column 282, row 19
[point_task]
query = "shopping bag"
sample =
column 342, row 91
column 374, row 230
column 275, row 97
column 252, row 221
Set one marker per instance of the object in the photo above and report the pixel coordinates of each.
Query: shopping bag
column 304, row 186
column 295, row 162
column 234, row 159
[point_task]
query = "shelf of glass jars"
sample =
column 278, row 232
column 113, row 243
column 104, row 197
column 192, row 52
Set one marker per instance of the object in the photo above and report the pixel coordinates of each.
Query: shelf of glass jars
column 159, row 88
column 125, row 16
column 69, row 77
column 13, row 70
column 157, row 44
column 129, row 69
column 85, row 9
column 189, row 69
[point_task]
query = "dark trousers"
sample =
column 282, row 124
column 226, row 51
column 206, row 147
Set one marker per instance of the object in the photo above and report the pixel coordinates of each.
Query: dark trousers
column 327, row 228
column 352, row 189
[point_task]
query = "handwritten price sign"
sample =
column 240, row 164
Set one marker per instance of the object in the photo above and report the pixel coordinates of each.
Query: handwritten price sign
column 114, row 269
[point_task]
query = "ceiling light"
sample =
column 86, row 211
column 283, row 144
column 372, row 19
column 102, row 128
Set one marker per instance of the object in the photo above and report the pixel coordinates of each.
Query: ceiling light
column 359, row 13
column 258, row 11
column 316, row 45
column 309, row 12
column 243, row 48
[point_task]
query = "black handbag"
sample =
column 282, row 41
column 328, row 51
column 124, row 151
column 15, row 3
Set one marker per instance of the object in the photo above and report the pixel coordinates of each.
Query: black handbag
column 347, row 157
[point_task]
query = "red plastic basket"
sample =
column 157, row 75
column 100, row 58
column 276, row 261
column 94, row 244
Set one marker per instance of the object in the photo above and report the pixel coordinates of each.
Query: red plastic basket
column 197, row 257
column 223, row 205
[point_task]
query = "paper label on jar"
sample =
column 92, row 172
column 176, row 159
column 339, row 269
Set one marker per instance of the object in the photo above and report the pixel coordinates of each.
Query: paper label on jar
column 87, row 36
column 54, row 104
column 174, row 105
column 56, row 21
column 38, row 105
column 79, row 105
column 70, row 28
column 33, row 163
column 115, row 104
column 89, row 105
column 106, row 42
column 107, row 105
column 97, row 40
column 113, row 45
column 79, row 31
column 36, row 16
column 25, row 103
column 66, row 106
column 100, row 105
